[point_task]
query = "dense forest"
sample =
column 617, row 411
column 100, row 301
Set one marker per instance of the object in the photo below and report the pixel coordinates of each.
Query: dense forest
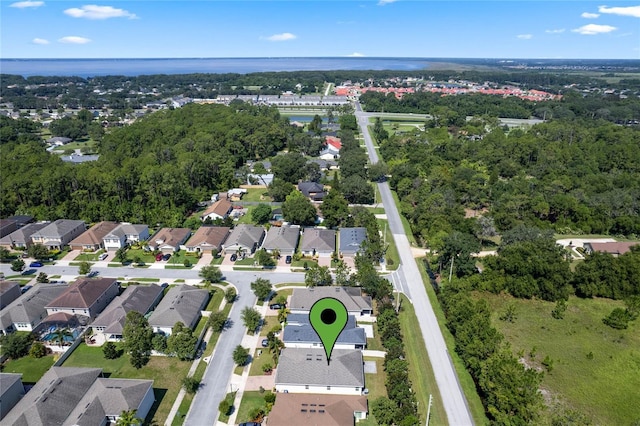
column 154, row 171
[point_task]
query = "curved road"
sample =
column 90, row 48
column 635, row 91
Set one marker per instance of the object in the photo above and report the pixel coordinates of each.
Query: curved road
column 453, row 398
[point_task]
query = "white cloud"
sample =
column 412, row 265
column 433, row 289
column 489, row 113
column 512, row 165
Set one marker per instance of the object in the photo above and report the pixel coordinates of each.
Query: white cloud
column 40, row 41
column 25, row 4
column 356, row 55
column 558, row 31
column 74, row 40
column 633, row 11
column 92, row 11
column 383, row 2
column 525, row 36
column 281, row 37
column 593, row 29
column 588, row 15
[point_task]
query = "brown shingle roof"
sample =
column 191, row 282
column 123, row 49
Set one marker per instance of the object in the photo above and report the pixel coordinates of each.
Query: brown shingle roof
column 82, row 294
column 220, row 207
column 315, row 409
column 209, row 235
column 95, row 234
column 613, row 248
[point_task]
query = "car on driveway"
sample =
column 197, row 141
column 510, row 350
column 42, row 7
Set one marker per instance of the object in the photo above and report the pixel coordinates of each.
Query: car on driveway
column 26, row 288
column 35, row 264
column 250, row 424
column 166, row 257
column 276, row 306
column 234, row 257
column 103, row 256
column 287, row 260
column 265, row 343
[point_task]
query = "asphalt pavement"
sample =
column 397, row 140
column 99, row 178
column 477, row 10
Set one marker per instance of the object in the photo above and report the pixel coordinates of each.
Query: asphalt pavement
column 451, row 393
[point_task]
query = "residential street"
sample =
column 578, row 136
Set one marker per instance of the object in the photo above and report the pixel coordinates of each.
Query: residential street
column 452, row 396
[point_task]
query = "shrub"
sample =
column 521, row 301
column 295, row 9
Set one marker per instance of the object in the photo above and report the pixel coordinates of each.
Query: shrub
column 224, row 407
column 230, row 295
column 110, row 351
column 38, row 350
column 269, row 397
column 190, row 384
column 618, row 319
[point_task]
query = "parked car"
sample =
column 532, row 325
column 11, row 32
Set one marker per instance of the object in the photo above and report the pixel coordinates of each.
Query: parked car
column 35, row 264
column 265, row 343
column 166, row 257
column 250, row 424
column 158, row 257
column 234, row 257
column 164, row 285
column 276, row 306
column 287, row 260
column 103, row 256
column 92, row 274
column 26, row 288
column 25, row 255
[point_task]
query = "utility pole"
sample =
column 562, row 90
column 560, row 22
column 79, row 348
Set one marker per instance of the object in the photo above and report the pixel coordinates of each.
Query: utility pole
column 429, row 408
column 451, row 269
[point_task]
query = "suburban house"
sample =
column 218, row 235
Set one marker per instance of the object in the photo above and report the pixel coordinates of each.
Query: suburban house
column 218, row 210
column 207, row 238
column 321, row 242
column 351, row 240
column 124, row 234
column 59, row 233
column 331, row 150
column 81, row 396
column 357, row 305
column 86, row 296
column 21, row 238
column 58, row 141
column 282, row 238
column 298, row 333
column 312, row 190
column 244, row 237
column 236, row 194
column 307, row 371
column 9, row 291
column 93, row 238
column 317, row 409
column 139, row 298
column 28, row 311
column 21, row 219
column 183, row 304
column 11, row 390
column 615, row 248
column 169, row 240
column 7, row 226
column 264, row 179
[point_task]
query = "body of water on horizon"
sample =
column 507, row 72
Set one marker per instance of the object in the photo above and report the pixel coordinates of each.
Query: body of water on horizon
column 134, row 67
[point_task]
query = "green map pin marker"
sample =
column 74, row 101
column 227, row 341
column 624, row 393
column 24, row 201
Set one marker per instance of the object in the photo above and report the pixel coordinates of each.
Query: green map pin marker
column 328, row 317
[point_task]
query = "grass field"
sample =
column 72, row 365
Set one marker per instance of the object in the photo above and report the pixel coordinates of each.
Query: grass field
column 32, row 369
column 605, row 385
column 258, row 361
column 166, row 373
column 269, row 323
column 392, row 251
column 250, row 400
column 257, row 195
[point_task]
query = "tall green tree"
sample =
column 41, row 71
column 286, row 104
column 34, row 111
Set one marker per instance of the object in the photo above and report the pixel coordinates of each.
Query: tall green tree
column 261, row 288
column 137, row 335
column 334, row 208
column 261, row 214
column 298, row 209
column 251, row 319
column 181, row 342
column 211, row 274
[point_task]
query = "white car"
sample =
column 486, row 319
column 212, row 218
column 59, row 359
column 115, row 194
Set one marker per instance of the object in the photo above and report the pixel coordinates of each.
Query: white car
column 103, row 256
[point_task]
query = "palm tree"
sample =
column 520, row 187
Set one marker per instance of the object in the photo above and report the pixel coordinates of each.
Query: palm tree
column 274, row 345
column 60, row 334
column 240, row 252
column 128, row 418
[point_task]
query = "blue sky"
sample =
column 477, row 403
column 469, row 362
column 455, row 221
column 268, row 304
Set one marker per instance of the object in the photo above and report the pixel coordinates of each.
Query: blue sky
column 306, row 28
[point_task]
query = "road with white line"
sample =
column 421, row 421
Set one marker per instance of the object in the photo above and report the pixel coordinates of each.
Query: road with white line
column 408, row 280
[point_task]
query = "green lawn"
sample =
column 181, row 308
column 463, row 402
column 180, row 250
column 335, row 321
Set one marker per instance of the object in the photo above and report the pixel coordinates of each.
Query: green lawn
column 89, row 257
column 376, row 382
column 259, row 361
column 223, row 417
column 166, row 373
column 217, row 260
column 269, row 323
column 605, row 388
column 392, row 251
column 250, row 400
column 145, row 256
column 215, row 300
column 247, row 261
column 257, row 195
column 32, row 369
column 375, row 344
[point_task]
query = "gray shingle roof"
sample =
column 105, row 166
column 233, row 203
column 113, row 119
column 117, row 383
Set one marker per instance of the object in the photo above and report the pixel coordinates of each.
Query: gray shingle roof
column 53, row 398
column 351, row 239
column 182, row 303
column 23, row 235
column 126, row 229
column 303, row 298
column 282, row 238
column 9, row 291
column 59, row 228
column 108, row 397
column 30, row 307
column 301, row 331
column 245, row 235
column 139, row 298
column 322, row 240
column 309, row 367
